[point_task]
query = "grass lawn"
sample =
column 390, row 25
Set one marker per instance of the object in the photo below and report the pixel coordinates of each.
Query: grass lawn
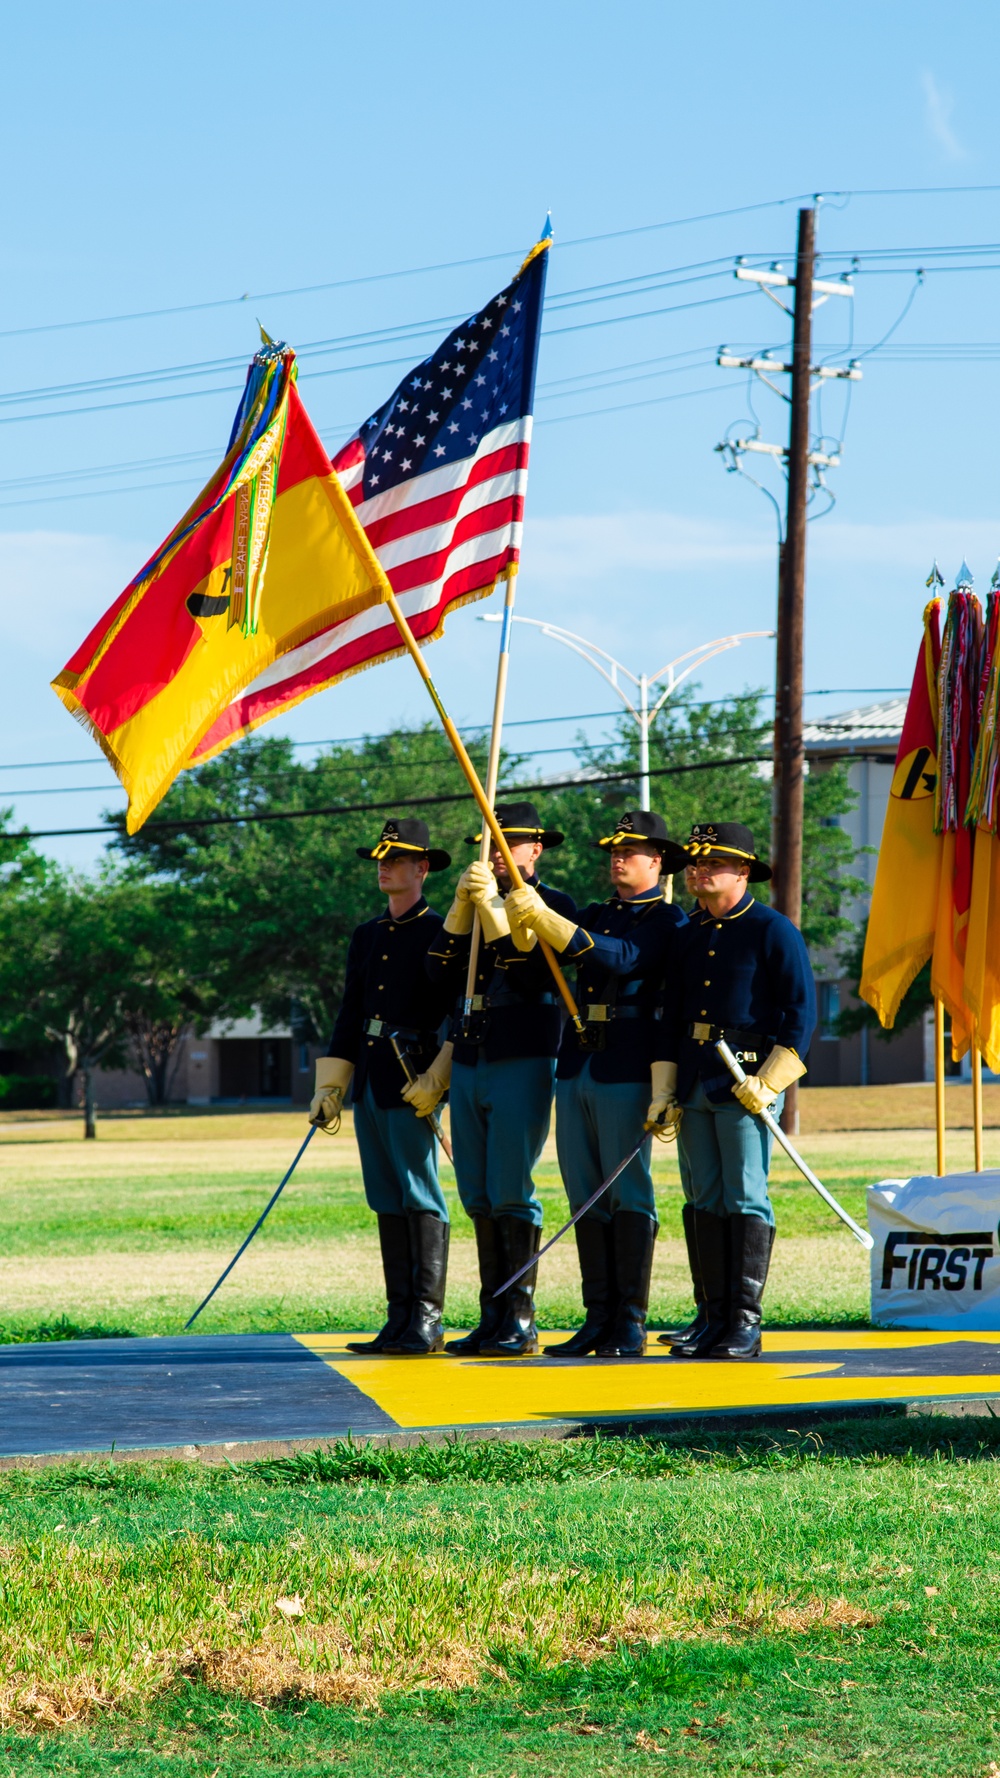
column 131, row 1230
column 762, row 1603
column 819, row 1602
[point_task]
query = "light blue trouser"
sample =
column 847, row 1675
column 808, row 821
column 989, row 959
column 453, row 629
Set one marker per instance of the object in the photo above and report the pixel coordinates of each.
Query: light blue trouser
column 724, row 1153
column 597, row 1123
column 500, row 1115
column 398, row 1160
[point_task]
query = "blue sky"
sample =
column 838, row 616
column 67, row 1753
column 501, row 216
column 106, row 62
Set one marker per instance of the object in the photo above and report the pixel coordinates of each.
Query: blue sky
column 163, row 158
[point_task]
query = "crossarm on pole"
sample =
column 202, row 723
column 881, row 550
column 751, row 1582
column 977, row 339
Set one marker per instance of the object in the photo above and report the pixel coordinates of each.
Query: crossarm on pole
column 793, row 1154
column 472, row 778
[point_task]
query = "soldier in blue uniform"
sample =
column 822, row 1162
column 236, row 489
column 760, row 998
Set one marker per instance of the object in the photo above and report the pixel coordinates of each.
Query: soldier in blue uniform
column 744, row 975
column 387, row 995
column 623, row 949
column 504, row 1047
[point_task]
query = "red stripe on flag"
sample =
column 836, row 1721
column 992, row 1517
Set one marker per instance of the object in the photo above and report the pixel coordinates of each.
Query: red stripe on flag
column 424, row 569
column 432, row 512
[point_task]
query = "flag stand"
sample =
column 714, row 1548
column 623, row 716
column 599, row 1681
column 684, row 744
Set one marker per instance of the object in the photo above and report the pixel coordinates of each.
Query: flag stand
column 977, row 1108
column 485, row 808
column 939, row 1082
column 492, row 773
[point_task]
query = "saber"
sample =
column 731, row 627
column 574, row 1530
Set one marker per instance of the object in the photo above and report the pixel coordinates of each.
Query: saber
column 261, row 1218
column 793, row 1154
column 432, row 1117
column 644, row 1138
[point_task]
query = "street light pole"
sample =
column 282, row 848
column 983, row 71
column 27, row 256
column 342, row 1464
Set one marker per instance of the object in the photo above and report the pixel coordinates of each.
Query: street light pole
column 644, row 683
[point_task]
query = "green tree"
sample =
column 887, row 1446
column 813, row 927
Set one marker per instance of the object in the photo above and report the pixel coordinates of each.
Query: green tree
column 277, row 901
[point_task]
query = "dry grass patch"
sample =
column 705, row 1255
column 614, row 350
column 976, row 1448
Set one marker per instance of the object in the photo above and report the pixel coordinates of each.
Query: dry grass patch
column 86, row 1630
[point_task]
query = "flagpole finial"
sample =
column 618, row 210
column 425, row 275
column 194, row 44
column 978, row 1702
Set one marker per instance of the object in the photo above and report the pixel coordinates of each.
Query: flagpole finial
column 995, row 582
column 546, row 234
column 935, row 578
column 964, row 577
column 265, row 337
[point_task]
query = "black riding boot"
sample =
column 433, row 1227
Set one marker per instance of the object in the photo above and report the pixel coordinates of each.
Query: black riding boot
column 634, row 1236
column 517, row 1334
column 597, row 1275
column 491, row 1276
column 700, row 1322
column 394, row 1240
column 429, row 1251
column 711, row 1234
column 751, row 1240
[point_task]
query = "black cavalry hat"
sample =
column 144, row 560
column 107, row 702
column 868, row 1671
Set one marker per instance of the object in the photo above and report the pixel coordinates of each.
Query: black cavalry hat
column 643, row 826
column 519, row 822
column 731, row 843
column 405, row 837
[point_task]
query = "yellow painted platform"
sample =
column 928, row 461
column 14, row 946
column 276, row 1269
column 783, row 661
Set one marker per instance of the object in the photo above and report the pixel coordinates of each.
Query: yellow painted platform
column 807, row 1370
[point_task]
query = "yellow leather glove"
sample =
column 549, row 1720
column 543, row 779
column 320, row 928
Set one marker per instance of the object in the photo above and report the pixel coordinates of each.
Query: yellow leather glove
column 527, row 911
column 664, row 1114
column 759, row 1091
column 424, row 1092
column 487, row 899
column 461, row 914
column 333, row 1077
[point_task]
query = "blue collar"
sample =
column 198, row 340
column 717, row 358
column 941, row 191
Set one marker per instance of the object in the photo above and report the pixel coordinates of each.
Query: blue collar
column 413, row 913
column 741, row 907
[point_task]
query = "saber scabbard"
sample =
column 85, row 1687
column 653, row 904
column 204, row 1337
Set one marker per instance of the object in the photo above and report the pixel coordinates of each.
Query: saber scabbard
column 433, row 1119
column 793, row 1154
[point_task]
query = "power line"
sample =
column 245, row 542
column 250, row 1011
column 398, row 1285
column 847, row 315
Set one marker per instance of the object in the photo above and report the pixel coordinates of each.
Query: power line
column 829, row 691
column 415, row 802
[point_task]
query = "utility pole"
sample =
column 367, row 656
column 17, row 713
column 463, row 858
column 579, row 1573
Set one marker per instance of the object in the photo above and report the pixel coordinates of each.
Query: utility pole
column 799, row 461
column 789, row 761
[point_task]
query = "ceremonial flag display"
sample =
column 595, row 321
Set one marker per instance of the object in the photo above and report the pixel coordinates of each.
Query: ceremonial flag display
column 981, row 984
column 269, row 555
column 958, row 705
column 904, row 908
column 437, row 478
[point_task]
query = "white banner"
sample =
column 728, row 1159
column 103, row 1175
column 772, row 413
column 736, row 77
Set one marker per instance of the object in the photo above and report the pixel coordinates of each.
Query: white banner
column 936, row 1258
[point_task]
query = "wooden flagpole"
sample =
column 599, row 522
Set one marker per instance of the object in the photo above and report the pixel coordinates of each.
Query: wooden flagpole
column 939, row 1082
column 492, row 774
column 977, row 1107
column 485, row 807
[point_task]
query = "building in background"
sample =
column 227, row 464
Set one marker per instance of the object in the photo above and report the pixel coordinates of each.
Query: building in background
column 865, row 742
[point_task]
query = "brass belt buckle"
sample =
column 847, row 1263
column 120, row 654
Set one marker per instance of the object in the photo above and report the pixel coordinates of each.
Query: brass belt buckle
column 701, row 1033
column 375, row 1027
column 597, row 1015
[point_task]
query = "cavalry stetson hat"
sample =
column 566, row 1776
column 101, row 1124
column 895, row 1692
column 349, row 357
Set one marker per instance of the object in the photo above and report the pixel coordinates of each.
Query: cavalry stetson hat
column 639, row 827
column 729, row 842
column 405, row 837
column 518, row 822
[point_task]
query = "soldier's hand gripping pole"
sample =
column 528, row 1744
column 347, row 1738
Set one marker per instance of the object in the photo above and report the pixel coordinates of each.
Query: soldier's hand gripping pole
column 432, row 1117
column 793, row 1154
column 485, row 808
column 261, row 1218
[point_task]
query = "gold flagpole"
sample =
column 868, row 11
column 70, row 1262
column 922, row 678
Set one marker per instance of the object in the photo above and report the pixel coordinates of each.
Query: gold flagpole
column 977, row 1107
column 939, row 1082
column 485, row 807
column 492, row 773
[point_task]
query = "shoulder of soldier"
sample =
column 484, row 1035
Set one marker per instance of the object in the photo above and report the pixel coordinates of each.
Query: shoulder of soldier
column 779, row 930
column 557, row 900
column 672, row 915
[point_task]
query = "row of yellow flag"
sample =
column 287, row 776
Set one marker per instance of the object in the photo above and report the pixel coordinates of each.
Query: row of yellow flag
column 937, row 883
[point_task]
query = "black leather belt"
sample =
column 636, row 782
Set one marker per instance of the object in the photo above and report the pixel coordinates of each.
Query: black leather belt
column 602, row 1015
column 743, row 1040
column 386, row 1028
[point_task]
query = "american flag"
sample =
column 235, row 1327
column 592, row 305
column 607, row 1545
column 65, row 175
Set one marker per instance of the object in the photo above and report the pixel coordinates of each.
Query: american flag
column 437, row 477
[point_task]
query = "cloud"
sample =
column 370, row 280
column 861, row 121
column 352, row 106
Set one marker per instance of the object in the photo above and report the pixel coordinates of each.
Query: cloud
column 939, row 103
column 55, row 586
